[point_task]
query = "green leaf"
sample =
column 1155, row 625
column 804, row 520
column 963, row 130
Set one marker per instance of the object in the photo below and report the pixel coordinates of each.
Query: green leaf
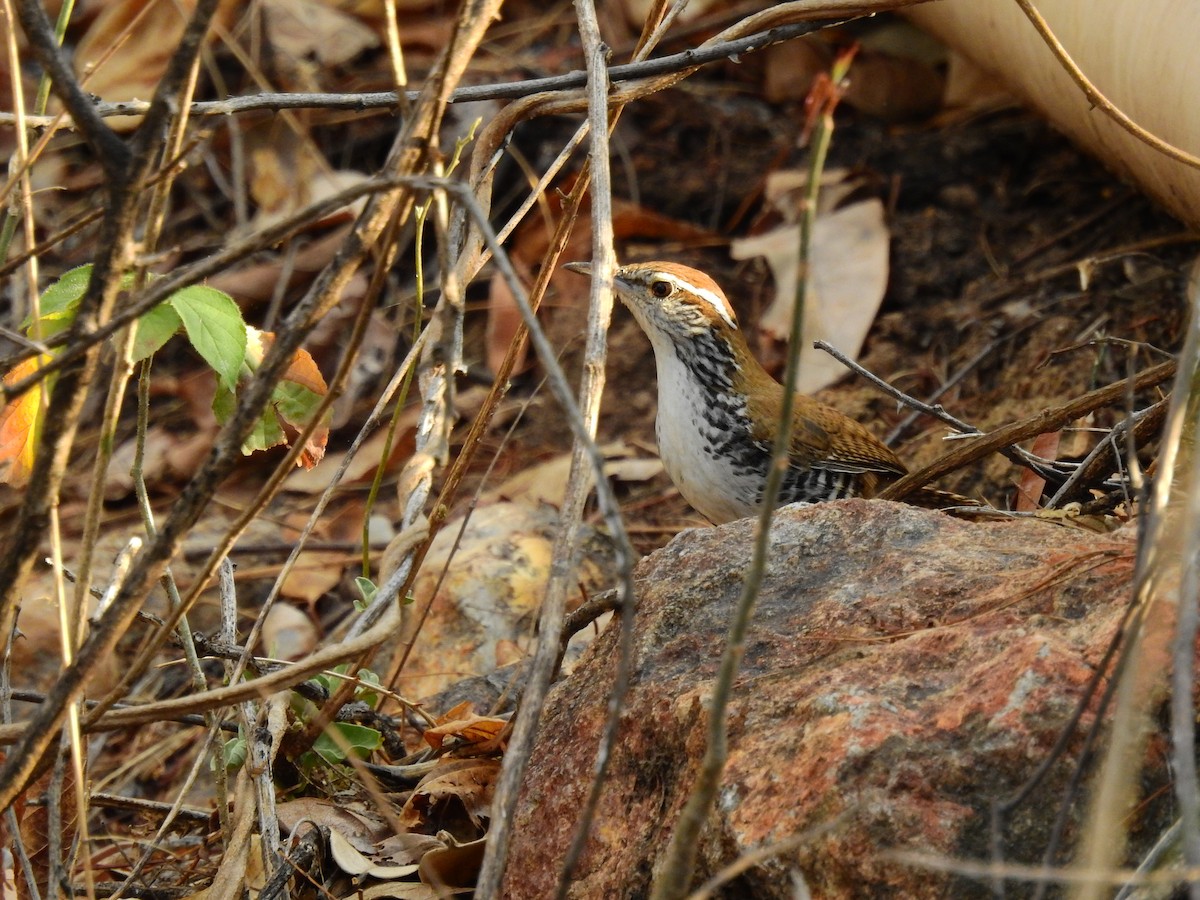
column 359, row 739
column 215, row 328
column 366, row 587
column 296, row 404
column 62, row 298
column 58, row 303
column 154, row 329
column 235, row 753
column 266, row 433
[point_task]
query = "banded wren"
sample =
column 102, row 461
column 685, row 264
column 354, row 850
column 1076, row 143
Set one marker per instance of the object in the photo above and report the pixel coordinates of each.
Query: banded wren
column 718, row 409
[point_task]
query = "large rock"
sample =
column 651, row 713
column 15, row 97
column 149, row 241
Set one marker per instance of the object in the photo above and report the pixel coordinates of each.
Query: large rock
column 904, row 671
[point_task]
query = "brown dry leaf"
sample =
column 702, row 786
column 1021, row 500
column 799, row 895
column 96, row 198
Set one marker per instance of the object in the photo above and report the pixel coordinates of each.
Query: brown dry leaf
column 455, row 867
column 458, row 711
column 542, row 482
column 34, row 822
column 1031, row 485
column 257, row 283
column 469, row 730
column 315, row 574
column 468, row 782
column 144, row 34
column 546, row 481
column 334, row 816
column 849, row 274
column 399, row 849
column 362, row 467
column 303, row 372
column 314, row 29
column 168, row 456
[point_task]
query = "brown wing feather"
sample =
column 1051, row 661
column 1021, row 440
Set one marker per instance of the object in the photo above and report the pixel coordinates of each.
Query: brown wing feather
column 822, row 437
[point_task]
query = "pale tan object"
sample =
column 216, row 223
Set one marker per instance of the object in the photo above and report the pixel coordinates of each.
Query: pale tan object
column 1139, row 53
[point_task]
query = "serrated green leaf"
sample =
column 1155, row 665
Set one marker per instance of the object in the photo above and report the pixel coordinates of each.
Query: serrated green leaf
column 58, row 303
column 154, row 329
column 215, row 328
column 62, row 298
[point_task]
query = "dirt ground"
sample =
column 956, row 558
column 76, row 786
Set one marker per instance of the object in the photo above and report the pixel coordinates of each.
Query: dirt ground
column 996, row 221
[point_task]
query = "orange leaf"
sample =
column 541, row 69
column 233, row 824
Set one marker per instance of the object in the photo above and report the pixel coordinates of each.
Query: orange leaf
column 302, row 370
column 471, row 730
column 20, row 424
column 1029, row 489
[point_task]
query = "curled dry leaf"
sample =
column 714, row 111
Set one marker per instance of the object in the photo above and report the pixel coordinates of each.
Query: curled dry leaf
column 350, row 861
column 458, row 786
column 455, row 866
column 295, row 400
column 470, row 729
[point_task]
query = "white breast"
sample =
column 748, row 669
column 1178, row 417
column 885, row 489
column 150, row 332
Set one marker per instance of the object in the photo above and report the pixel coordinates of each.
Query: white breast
column 686, row 435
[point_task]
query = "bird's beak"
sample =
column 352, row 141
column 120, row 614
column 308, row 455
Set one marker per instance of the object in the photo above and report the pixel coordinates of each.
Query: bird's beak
column 583, row 268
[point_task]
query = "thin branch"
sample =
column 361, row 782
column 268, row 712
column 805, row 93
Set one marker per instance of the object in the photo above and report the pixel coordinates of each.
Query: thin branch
column 125, row 168
column 111, row 152
column 1047, row 420
column 1020, row 457
column 159, row 290
column 510, row 90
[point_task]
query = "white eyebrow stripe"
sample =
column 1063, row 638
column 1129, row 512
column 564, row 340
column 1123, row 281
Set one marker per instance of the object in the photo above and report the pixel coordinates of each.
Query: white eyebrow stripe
column 719, row 305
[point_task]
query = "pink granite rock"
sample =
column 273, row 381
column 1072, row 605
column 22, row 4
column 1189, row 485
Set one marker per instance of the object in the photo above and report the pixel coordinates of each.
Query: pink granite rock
column 903, row 671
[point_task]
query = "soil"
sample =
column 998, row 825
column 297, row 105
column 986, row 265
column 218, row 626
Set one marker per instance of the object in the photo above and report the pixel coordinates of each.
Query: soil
column 1022, row 272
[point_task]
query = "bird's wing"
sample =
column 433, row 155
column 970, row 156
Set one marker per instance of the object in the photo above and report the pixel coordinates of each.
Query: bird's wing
column 850, row 447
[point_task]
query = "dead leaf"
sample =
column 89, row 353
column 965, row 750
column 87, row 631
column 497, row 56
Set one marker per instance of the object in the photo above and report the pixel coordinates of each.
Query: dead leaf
column 20, row 425
column 362, row 467
column 469, row 730
column 121, row 61
column 455, row 867
column 466, row 784
column 1031, row 485
column 302, row 371
column 350, row 861
column 334, row 816
column 849, row 273
column 311, row 28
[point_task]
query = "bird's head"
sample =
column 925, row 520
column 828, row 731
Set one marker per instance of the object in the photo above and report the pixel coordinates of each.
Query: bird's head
column 671, row 302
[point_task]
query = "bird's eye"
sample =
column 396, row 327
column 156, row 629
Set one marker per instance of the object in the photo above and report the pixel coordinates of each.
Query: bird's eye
column 660, row 289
